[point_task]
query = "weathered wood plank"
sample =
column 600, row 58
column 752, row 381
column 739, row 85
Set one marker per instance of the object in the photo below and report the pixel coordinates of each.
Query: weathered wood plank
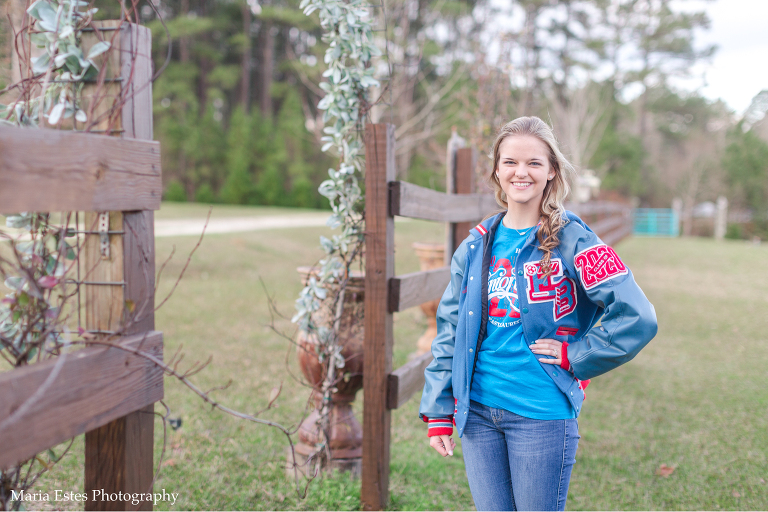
column 409, row 290
column 379, row 268
column 54, row 170
column 101, row 101
column 407, row 380
column 104, row 303
column 92, row 387
column 596, row 208
column 608, row 224
column 136, row 70
column 139, row 270
column 119, row 455
column 409, row 200
column 464, row 183
column 618, row 235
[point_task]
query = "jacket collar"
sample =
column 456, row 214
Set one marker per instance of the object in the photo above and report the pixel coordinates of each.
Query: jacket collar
column 488, row 225
column 487, row 228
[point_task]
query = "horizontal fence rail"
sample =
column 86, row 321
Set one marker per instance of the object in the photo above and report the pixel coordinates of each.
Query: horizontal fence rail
column 409, row 290
column 46, row 403
column 56, row 170
column 404, row 382
column 596, row 208
column 617, row 235
column 409, row 200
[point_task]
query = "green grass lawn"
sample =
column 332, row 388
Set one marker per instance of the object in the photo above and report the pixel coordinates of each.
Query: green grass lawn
column 694, row 399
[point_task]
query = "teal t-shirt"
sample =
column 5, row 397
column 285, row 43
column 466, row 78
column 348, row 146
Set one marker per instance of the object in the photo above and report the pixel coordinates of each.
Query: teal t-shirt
column 508, row 375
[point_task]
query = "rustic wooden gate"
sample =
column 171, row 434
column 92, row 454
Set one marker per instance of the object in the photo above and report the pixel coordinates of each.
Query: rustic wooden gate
column 386, row 293
column 106, row 393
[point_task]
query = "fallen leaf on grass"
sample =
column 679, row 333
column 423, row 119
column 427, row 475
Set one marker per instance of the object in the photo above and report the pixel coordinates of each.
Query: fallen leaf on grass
column 665, row 470
column 736, row 494
column 762, row 480
column 169, row 462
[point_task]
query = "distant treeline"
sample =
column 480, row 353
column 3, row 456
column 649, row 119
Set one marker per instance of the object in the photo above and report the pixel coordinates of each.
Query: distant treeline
column 236, row 106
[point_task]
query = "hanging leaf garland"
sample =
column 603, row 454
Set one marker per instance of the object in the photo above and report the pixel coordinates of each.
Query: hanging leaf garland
column 63, row 67
column 348, row 29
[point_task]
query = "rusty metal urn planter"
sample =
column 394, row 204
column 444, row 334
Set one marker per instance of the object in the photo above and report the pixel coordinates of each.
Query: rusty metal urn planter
column 346, row 434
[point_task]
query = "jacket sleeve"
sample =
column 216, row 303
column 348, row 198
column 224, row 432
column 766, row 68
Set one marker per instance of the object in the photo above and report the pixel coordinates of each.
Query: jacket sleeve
column 437, row 399
column 629, row 319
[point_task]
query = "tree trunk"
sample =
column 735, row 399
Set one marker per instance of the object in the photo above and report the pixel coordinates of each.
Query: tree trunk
column 267, row 67
column 245, row 78
column 184, row 40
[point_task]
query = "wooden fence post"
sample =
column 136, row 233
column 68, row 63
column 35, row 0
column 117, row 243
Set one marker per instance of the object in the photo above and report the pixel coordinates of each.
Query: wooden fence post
column 464, row 183
column 379, row 268
column 119, row 455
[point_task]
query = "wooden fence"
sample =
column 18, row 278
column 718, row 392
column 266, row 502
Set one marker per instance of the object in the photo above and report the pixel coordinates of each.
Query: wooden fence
column 106, row 393
column 386, row 293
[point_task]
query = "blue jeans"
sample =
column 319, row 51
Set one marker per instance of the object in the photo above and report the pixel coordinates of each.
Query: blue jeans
column 516, row 463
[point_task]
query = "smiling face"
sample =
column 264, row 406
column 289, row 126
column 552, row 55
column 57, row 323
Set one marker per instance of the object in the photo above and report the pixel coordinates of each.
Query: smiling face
column 523, row 171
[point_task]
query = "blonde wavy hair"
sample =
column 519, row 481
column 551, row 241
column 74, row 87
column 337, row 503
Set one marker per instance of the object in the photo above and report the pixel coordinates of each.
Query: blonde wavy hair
column 552, row 209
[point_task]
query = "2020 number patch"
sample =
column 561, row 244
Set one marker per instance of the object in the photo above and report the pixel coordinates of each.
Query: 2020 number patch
column 597, row 265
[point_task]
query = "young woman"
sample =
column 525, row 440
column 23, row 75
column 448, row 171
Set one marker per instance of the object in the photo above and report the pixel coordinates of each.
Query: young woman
column 516, row 330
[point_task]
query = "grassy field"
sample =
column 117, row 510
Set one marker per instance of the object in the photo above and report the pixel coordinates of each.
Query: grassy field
column 694, row 399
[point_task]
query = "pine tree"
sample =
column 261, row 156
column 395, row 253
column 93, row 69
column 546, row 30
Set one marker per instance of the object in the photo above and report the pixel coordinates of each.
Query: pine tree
column 238, row 187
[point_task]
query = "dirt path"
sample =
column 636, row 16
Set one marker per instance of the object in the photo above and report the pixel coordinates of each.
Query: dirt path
column 193, row 227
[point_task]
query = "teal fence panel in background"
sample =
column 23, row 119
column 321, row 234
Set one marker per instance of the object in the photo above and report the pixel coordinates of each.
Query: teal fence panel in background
column 656, row 222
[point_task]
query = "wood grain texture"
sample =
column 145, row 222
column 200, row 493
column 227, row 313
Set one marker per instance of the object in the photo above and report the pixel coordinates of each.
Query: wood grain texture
column 608, row 224
column 404, row 382
column 53, row 170
column 101, row 101
column 596, row 208
column 139, row 270
column 414, row 289
column 379, row 268
column 119, row 455
column 409, row 200
column 104, row 305
column 93, row 387
column 112, row 464
column 464, row 183
column 136, row 70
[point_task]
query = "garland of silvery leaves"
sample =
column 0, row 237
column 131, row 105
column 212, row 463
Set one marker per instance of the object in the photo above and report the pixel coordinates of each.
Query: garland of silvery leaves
column 63, row 65
column 64, row 68
column 347, row 27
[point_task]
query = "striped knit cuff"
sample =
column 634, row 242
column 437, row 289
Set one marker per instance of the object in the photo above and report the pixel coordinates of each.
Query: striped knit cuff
column 564, row 363
column 440, row 427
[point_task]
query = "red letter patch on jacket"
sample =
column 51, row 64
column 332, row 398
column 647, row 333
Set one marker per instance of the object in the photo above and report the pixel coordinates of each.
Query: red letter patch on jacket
column 598, row 264
column 554, row 287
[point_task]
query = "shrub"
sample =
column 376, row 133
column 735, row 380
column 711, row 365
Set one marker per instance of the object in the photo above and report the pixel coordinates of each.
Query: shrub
column 204, row 194
column 174, row 191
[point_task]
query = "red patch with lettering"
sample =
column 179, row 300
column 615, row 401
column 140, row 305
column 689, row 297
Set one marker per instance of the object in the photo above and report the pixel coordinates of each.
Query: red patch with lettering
column 554, row 287
column 598, row 264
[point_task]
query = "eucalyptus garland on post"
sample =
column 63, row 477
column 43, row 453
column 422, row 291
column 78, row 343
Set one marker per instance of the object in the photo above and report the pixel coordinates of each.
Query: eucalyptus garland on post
column 61, row 70
column 347, row 27
column 33, row 325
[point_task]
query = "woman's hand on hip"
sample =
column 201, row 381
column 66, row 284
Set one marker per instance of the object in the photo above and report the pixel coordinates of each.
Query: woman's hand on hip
column 548, row 347
column 443, row 444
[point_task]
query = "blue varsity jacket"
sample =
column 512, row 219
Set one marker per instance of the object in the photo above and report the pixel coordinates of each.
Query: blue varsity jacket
column 588, row 282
